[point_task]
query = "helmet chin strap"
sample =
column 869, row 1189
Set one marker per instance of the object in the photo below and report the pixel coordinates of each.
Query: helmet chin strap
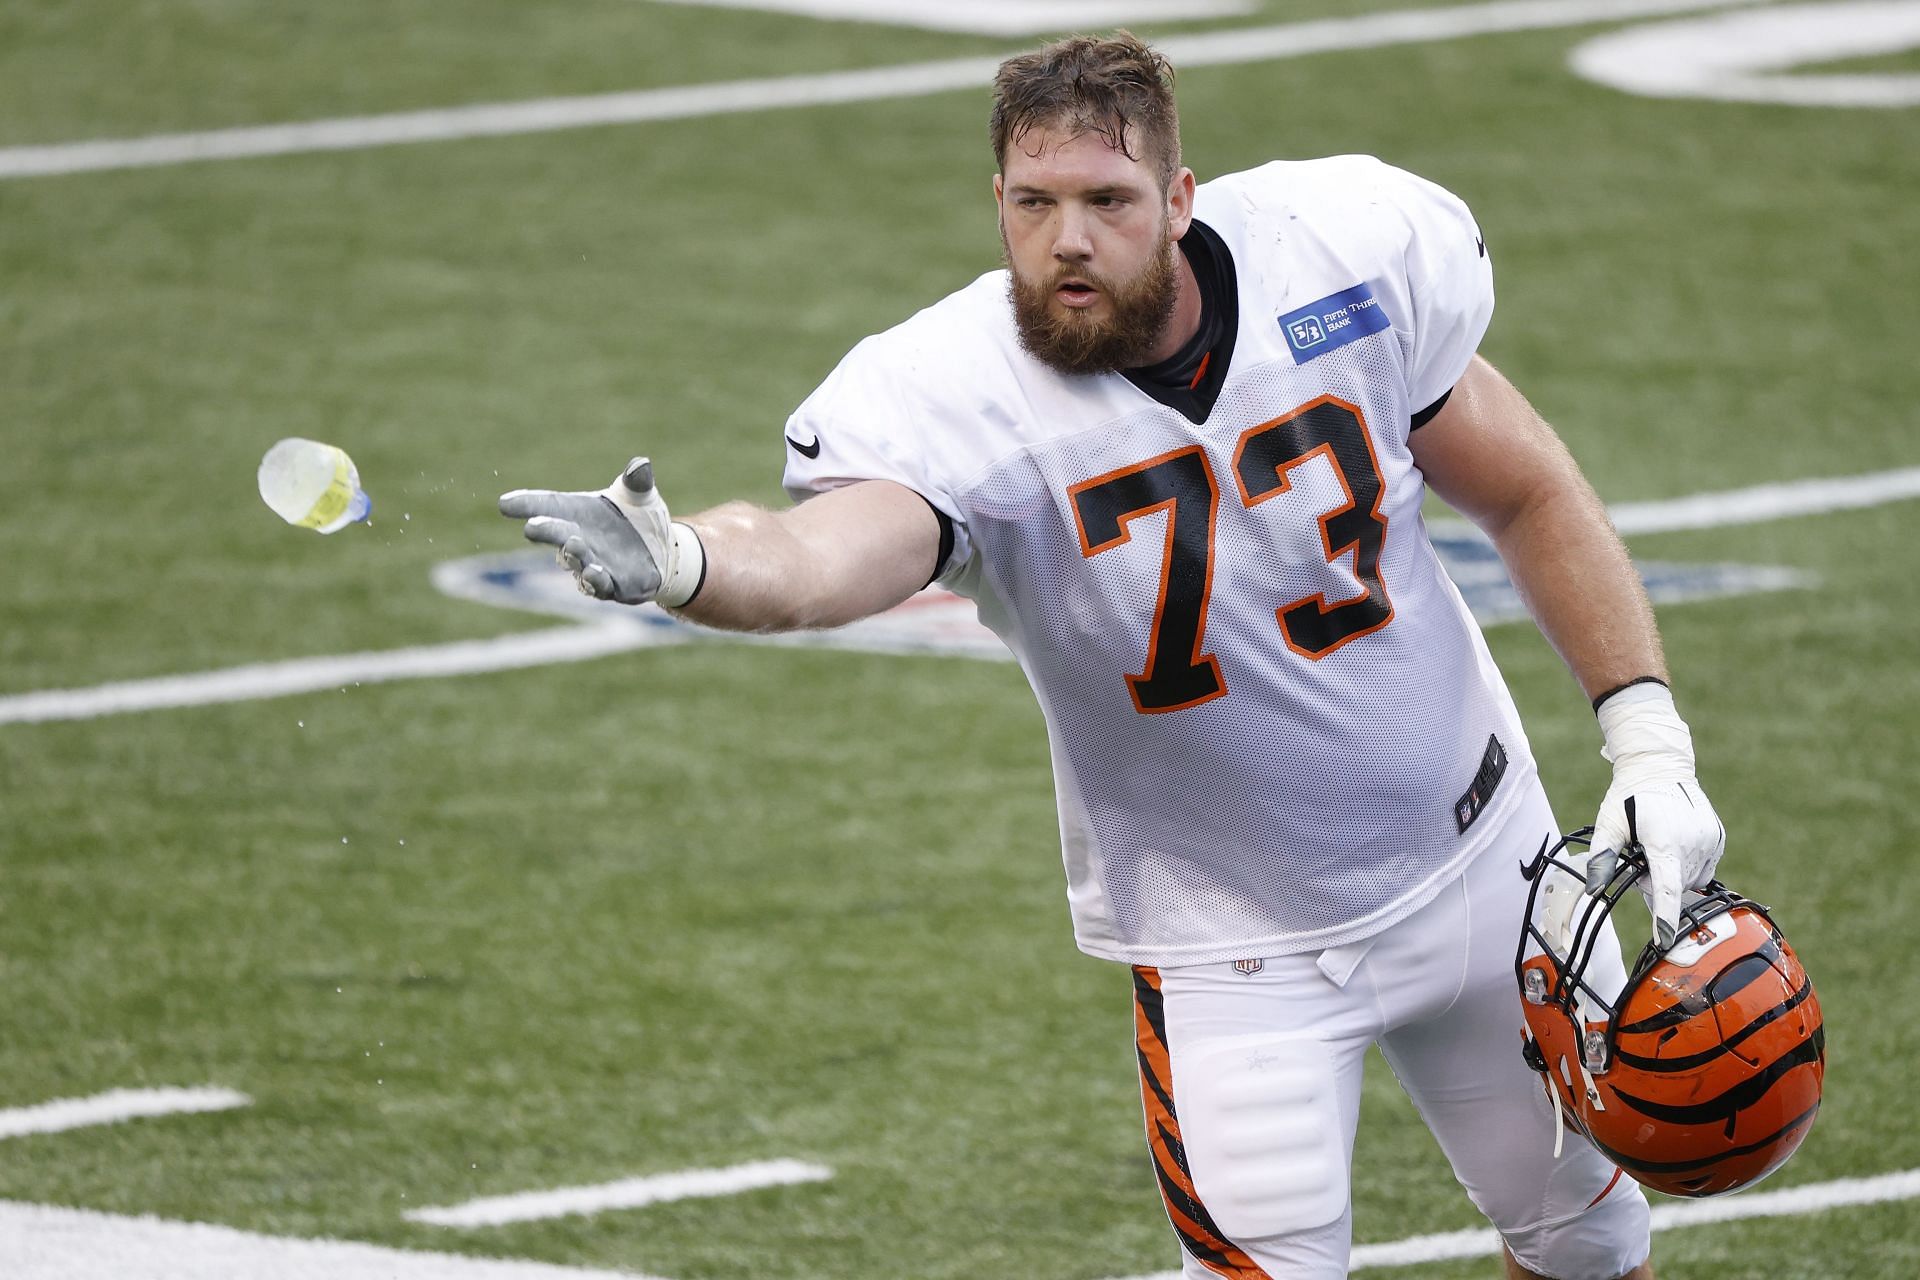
column 1560, row 1107
column 1559, row 1116
column 1593, row 1090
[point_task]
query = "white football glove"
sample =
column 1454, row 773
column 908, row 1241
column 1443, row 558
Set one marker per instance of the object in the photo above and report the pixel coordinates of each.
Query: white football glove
column 1656, row 801
column 619, row 542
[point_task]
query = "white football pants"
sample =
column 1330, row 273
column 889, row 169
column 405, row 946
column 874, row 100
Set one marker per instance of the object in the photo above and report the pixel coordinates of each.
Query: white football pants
column 1251, row 1077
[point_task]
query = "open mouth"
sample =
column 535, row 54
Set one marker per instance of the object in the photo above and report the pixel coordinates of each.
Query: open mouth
column 1076, row 293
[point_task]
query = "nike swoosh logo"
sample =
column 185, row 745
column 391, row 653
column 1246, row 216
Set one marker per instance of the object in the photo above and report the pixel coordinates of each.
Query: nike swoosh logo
column 806, row 450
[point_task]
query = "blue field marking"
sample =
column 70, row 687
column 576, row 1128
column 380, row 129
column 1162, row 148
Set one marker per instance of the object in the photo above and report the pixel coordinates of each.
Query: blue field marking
column 935, row 621
column 1475, row 568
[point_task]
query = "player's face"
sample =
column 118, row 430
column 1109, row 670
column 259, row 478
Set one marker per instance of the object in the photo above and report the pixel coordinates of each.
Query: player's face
column 1089, row 233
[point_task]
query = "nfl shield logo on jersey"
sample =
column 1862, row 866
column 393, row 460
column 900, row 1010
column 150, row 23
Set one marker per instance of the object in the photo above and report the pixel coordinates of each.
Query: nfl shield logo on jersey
column 1248, row 967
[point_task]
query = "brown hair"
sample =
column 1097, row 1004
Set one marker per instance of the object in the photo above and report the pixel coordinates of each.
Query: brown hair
column 1116, row 87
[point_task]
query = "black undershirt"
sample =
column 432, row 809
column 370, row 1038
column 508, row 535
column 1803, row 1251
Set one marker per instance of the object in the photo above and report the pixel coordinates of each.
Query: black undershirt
column 1189, row 380
column 1425, row 415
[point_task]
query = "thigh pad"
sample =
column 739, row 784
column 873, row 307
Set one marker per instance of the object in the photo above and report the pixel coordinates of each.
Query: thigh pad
column 1260, row 1121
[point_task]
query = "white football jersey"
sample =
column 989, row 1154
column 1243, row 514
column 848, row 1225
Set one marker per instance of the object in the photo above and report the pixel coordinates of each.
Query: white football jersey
column 1275, row 726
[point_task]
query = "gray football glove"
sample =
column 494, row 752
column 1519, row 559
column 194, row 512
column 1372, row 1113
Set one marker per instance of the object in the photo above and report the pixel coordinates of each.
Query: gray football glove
column 619, row 543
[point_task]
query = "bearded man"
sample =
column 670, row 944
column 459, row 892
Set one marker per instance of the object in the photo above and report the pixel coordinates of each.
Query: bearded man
column 1176, row 453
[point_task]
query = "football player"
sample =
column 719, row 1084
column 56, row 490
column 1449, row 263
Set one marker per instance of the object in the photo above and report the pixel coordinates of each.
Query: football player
column 1176, row 453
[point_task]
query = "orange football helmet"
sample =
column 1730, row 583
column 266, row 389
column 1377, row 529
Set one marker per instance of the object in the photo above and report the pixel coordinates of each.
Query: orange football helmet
column 1701, row 1076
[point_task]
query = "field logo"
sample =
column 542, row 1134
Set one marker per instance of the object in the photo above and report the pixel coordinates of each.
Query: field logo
column 1333, row 322
column 938, row 622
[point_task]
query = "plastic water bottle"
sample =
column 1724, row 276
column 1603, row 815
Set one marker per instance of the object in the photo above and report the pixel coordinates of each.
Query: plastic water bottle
column 313, row 485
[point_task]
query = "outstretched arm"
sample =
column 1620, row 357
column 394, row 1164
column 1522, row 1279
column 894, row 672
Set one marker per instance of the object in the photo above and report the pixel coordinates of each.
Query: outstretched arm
column 1496, row 462
column 850, row 552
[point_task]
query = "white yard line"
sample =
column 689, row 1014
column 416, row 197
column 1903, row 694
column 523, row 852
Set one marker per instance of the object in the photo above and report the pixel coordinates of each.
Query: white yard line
column 582, row 643
column 43, row 1242
column 113, row 1107
column 993, row 17
column 1790, row 1202
column 1748, row 57
column 1412, row 26
column 308, row 675
column 628, row 1193
column 1485, row 1242
column 1766, row 502
column 1216, row 48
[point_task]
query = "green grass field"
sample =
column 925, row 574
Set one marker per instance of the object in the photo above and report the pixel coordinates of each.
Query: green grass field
column 695, row 906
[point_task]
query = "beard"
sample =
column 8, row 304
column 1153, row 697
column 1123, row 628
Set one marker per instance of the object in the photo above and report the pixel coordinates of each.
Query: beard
column 1072, row 341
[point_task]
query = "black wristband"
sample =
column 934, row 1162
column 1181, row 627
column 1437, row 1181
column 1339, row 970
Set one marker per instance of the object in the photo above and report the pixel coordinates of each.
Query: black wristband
column 1621, row 688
